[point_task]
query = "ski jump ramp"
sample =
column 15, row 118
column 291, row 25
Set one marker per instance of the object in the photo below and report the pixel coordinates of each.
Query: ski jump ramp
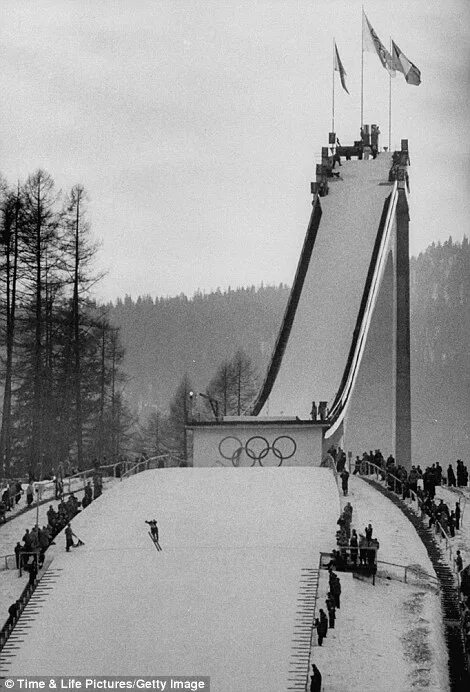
column 219, row 600
column 350, row 239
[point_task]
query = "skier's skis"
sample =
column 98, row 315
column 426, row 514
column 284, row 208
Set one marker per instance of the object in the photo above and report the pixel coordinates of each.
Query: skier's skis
column 155, row 542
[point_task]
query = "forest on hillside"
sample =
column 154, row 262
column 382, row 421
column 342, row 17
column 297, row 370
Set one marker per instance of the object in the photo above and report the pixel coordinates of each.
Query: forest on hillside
column 166, row 338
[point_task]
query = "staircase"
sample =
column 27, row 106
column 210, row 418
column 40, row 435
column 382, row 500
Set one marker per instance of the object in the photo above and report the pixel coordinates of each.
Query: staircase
column 299, row 663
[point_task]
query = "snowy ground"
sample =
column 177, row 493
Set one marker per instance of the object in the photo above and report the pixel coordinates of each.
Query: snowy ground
column 219, row 600
column 388, row 638
column 11, row 585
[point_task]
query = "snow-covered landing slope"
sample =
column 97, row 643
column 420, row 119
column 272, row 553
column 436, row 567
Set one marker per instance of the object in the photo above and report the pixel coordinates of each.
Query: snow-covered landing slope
column 219, row 600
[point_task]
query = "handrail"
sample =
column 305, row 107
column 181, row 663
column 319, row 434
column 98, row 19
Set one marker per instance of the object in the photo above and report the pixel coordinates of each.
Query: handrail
column 411, row 568
column 145, row 462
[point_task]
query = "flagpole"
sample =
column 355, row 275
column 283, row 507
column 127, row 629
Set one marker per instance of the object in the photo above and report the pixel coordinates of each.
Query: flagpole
column 333, row 98
column 362, row 69
column 390, row 104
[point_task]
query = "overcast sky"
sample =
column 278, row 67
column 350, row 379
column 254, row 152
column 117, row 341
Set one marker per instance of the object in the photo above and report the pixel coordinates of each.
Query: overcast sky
column 196, row 125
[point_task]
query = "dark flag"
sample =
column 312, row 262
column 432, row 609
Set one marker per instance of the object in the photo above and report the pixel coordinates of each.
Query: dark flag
column 339, row 68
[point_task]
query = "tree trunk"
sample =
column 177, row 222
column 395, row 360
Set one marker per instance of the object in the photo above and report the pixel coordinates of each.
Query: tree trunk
column 76, row 340
column 11, row 279
column 36, row 438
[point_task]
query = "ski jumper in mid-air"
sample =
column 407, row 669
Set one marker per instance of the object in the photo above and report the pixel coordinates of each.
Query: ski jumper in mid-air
column 153, row 529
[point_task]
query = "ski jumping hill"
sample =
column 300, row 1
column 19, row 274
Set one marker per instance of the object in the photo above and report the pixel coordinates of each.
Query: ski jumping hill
column 220, row 599
column 325, row 326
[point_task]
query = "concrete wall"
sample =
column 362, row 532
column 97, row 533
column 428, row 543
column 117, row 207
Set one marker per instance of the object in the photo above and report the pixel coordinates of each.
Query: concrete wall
column 212, row 442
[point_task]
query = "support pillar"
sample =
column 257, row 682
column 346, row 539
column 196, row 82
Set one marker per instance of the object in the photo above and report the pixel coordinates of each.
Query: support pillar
column 402, row 331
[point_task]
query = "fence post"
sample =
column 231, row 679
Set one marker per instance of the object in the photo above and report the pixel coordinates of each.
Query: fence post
column 406, row 574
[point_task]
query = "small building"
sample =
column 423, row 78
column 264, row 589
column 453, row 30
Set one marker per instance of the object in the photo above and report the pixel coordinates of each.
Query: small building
column 258, row 441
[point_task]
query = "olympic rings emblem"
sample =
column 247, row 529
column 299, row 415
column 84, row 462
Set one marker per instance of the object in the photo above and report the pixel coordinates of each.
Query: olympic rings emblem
column 257, row 449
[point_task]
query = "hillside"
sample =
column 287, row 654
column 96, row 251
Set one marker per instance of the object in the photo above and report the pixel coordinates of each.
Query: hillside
column 168, row 337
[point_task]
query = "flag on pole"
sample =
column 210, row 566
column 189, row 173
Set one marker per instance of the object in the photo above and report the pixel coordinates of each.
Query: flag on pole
column 371, row 42
column 339, row 68
column 402, row 64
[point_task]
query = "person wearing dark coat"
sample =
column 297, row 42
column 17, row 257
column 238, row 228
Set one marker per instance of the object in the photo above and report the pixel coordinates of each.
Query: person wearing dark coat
column 451, row 524
column 319, row 628
column 315, row 680
column 324, row 621
column 354, row 543
column 335, row 589
column 27, row 540
column 368, row 531
column 13, row 612
column 33, row 573
column 450, row 477
column 459, row 562
column 18, row 550
column 457, row 515
column 330, row 606
column 344, row 481
column 69, row 536
column 29, row 494
column 153, row 529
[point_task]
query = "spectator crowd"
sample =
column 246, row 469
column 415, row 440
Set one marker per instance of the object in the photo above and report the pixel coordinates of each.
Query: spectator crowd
column 30, row 551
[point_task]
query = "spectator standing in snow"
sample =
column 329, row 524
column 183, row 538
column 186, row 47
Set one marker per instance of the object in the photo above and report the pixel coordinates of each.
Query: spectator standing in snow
column 19, row 491
column 18, row 550
column 335, row 589
column 324, row 621
column 344, row 481
column 457, row 515
column 459, row 561
column 330, row 606
column 315, row 680
column 451, row 524
column 450, row 477
column 13, row 612
column 69, row 536
column 33, row 573
column 368, row 531
column 319, row 628
column 314, row 411
column 29, row 494
column 354, row 543
column 357, row 466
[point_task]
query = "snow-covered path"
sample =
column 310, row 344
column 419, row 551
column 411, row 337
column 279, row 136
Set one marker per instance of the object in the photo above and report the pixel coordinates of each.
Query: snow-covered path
column 11, row 585
column 219, row 600
column 388, row 638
